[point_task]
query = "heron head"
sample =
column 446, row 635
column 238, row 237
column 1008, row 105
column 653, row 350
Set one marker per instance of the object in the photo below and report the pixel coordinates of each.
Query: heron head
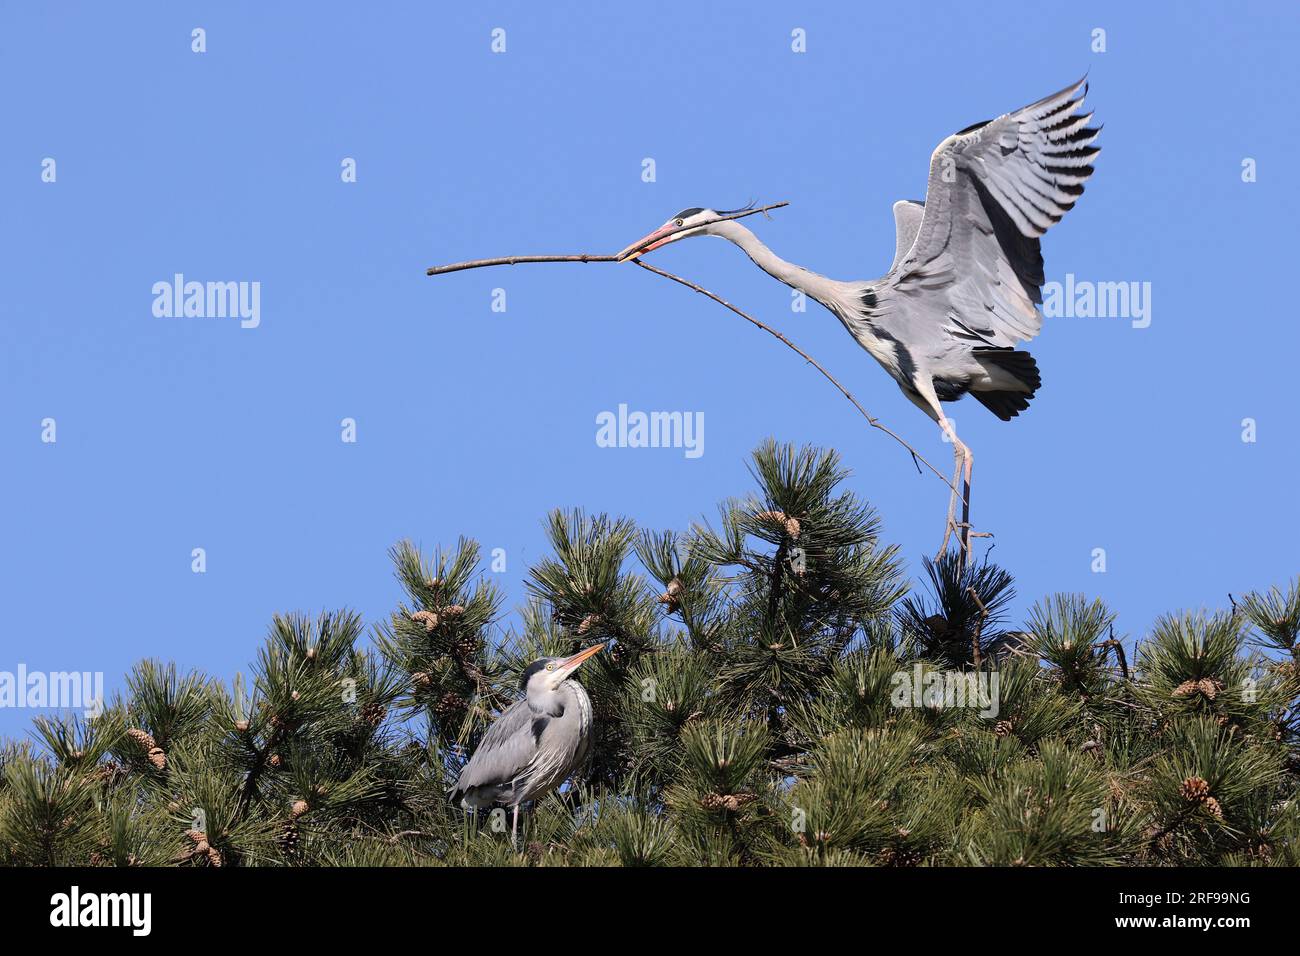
column 689, row 222
column 544, row 676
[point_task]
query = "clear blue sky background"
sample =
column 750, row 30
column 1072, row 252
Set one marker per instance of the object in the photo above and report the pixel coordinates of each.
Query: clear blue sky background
column 183, row 433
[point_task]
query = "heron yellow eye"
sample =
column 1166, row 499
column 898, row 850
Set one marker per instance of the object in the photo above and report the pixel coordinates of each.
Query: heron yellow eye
column 550, row 667
column 680, row 222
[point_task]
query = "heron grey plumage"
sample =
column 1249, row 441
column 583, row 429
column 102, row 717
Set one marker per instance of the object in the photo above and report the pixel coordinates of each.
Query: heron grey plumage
column 535, row 744
column 965, row 284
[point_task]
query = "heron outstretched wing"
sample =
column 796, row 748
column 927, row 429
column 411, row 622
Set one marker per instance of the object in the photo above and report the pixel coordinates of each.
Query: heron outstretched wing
column 974, row 265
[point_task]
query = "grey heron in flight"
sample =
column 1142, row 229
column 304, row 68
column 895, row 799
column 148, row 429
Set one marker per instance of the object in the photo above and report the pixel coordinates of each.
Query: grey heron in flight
column 535, row 744
column 962, row 292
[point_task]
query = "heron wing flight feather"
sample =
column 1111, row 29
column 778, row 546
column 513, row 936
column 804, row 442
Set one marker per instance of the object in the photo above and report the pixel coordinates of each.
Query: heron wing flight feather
column 974, row 265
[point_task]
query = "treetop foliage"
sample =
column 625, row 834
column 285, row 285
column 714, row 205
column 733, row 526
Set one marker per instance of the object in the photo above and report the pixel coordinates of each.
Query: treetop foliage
column 772, row 694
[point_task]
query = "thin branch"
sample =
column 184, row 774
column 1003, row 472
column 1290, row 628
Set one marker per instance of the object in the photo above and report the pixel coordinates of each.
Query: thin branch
column 513, row 260
column 873, row 422
column 582, row 257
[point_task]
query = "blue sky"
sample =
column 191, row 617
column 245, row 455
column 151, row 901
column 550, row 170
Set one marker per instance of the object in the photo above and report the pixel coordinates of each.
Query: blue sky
column 178, row 433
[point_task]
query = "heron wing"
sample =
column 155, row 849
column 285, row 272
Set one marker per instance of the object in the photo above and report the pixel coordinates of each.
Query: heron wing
column 974, row 265
column 505, row 752
column 907, row 222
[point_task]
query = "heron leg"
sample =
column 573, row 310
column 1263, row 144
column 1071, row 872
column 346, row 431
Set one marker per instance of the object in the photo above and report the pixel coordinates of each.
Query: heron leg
column 968, row 473
column 951, row 521
column 922, row 395
column 514, row 827
column 963, row 468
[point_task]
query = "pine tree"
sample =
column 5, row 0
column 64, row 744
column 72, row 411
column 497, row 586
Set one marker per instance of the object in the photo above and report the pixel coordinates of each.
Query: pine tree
column 771, row 694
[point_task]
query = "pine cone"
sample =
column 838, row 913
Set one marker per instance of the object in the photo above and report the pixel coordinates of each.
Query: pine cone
column 374, row 713
column 449, row 706
column 242, row 726
column 1003, row 728
column 726, row 801
column 427, row 618
column 142, row 738
column 1194, row 788
column 671, row 595
column 1213, row 806
column 298, row 809
column 275, row 760
column 203, row 848
column 789, row 525
column 451, row 611
column 1207, row 686
column 465, row 646
column 421, row 680
column 311, row 653
column 158, row 758
column 899, row 856
column 110, row 773
column 588, row 622
column 287, row 841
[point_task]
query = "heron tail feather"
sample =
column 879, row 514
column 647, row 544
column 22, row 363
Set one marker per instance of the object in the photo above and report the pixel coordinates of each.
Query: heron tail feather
column 1014, row 379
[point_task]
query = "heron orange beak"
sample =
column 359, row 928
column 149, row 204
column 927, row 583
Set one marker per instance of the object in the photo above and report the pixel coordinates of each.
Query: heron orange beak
column 574, row 662
column 661, row 236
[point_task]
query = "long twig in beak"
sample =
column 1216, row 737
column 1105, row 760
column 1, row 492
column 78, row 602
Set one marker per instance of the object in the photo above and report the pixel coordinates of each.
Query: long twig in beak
column 512, row 260
column 872, row 421
column 580, row 257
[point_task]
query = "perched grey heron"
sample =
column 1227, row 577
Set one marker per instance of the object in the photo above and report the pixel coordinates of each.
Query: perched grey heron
column 962, row 292
column 535, row 744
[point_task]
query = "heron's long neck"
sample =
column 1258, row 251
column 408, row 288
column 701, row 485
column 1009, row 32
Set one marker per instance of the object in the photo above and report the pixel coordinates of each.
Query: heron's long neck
column 824, row 290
